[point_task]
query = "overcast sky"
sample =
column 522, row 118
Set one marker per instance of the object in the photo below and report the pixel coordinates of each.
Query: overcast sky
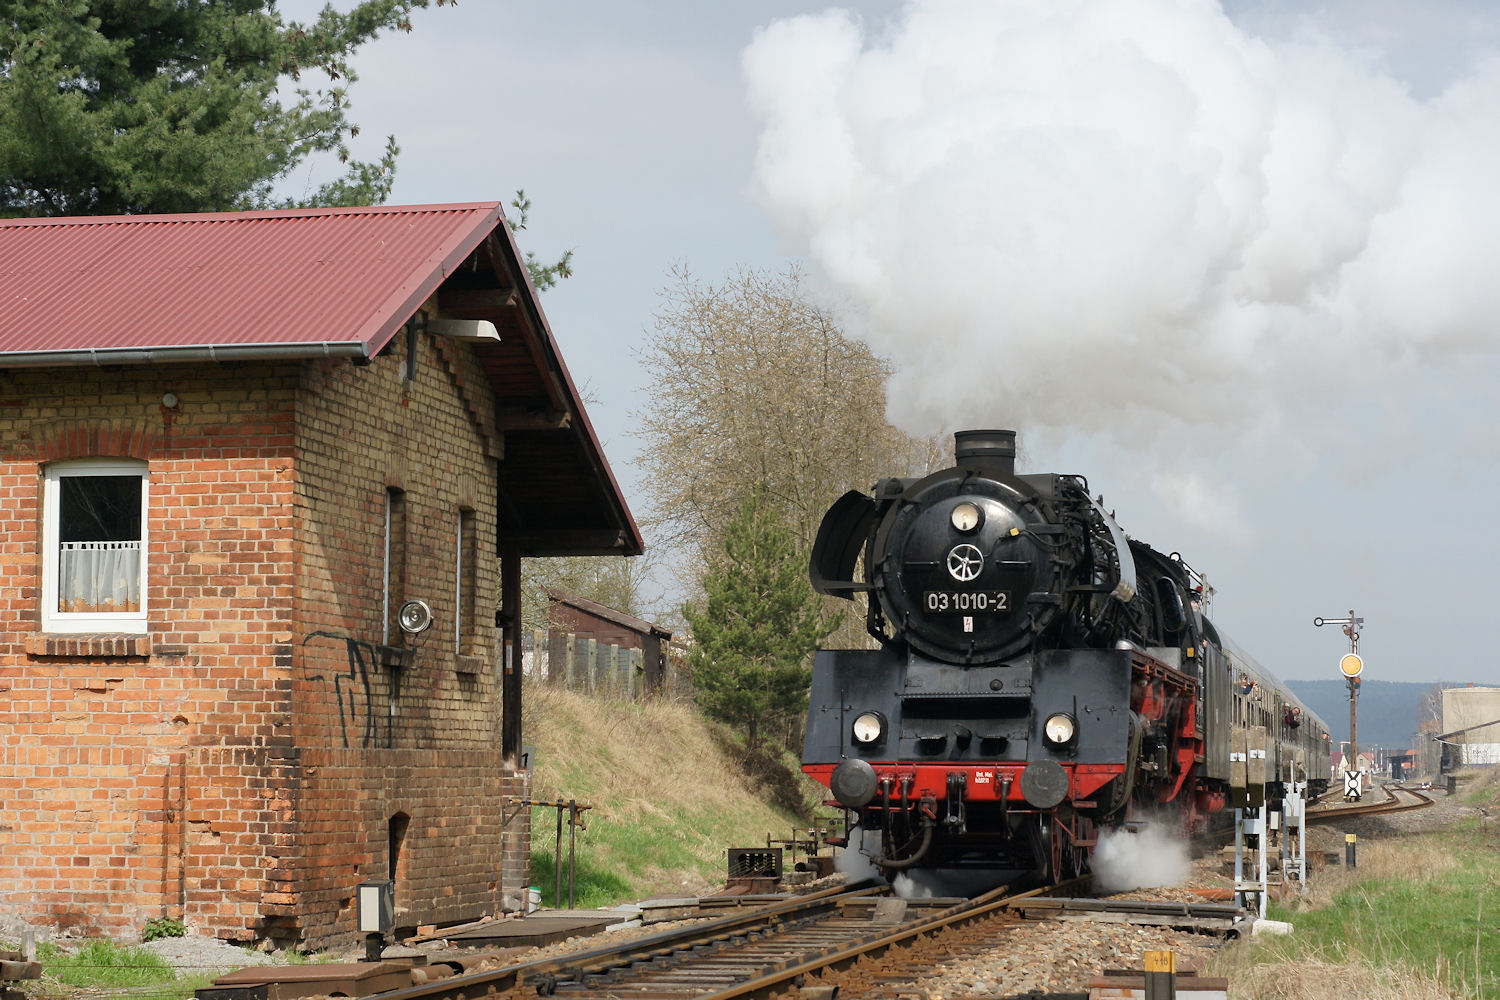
column 1234, row 264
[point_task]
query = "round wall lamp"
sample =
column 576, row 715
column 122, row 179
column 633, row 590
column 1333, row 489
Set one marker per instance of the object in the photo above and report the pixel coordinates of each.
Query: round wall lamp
column 414, row 617
column 170, row 400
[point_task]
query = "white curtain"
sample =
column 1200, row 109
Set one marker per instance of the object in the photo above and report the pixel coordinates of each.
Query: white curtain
column 99, row 577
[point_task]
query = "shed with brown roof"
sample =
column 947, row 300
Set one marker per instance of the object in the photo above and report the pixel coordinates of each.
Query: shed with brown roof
column 571, row 614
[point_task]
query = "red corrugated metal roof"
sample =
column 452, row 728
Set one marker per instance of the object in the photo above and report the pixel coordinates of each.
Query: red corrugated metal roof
column 307, row 277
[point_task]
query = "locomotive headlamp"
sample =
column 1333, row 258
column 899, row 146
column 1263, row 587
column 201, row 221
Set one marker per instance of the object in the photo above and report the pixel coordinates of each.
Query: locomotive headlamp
column 966, row 517
column 869, row 728
column 1060, row 729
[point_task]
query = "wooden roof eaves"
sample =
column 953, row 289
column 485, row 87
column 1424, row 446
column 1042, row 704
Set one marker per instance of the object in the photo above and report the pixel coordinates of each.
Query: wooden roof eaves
column 406, row 299
column 528, row 320
column 507, row 258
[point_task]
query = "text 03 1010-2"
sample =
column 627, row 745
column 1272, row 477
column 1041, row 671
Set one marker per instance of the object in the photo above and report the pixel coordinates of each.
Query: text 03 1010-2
column 966, row 601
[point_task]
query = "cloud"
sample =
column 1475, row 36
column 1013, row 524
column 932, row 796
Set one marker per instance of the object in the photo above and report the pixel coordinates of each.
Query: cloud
column 1129, row 218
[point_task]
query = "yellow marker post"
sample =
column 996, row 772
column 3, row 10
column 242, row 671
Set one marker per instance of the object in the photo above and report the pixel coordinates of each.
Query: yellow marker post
column 1349, row 841
column 1161, row 975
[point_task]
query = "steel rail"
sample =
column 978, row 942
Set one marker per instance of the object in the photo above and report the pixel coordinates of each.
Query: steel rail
column 591, row 961
column 1391, row 804
column 980, row 908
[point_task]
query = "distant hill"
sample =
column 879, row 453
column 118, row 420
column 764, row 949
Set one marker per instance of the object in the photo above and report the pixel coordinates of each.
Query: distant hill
column 1386, row 713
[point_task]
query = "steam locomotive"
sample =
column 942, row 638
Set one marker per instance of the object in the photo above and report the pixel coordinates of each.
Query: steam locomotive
column 1037, row 675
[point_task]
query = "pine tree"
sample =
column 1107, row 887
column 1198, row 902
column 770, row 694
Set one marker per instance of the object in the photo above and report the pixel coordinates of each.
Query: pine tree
column 112, row 107
column 758, row 624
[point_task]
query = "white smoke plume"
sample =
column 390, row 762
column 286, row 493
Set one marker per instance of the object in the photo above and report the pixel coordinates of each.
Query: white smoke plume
column 1131, row 219
column 1151, row 857
column 951, row 883
column 854, row 860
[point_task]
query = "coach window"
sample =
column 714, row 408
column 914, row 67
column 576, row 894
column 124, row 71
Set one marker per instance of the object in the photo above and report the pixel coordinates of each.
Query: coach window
column 94, row 551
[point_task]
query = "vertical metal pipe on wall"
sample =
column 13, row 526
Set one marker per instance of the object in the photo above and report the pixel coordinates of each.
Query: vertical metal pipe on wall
column 182, row 825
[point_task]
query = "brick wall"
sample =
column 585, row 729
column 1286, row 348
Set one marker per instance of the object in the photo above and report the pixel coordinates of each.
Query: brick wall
column 361, row 430
column 94, row 729
column 419, row 741
column 462, row 854
column 239, row 765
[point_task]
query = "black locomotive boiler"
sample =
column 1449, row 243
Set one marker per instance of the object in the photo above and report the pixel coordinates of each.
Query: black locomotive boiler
column 1037, row 674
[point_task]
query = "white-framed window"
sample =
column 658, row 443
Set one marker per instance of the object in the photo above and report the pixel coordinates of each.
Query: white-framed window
column 94, row 549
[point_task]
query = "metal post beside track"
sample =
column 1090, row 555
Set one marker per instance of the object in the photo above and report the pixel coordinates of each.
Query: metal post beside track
column 1248, row 790
column 574, row 809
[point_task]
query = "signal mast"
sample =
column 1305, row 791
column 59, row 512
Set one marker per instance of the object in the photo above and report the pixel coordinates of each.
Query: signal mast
column 1350, row 665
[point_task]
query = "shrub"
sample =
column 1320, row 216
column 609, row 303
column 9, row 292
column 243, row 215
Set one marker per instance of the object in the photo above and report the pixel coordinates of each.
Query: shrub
column 162, row 927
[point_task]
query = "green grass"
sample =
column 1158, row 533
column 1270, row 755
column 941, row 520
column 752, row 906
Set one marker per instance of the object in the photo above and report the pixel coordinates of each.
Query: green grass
column 592, row 887
column 103, row 967
column 669, row 793
column 1441, row 927
column 1418, row 918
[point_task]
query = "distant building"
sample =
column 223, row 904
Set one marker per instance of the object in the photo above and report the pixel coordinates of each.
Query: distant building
column 571, row 615
column 1362, row 763
column 1471, row 725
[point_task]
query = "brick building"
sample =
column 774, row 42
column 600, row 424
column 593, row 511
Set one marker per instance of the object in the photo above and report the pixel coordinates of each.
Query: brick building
column 232, row 447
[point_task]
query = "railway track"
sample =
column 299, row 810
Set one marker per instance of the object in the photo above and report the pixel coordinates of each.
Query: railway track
column 860, row 939
column 837, row 937
column 1392, row 803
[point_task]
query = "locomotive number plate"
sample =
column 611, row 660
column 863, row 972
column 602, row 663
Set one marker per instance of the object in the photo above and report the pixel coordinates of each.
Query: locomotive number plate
column 966, row 601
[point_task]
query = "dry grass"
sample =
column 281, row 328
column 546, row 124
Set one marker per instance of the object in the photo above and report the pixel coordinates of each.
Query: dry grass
column 1327, row 979
column 1395, row 927
column 669, row 791
column 1480, row 785
column 638, row 756
column 1382, row 859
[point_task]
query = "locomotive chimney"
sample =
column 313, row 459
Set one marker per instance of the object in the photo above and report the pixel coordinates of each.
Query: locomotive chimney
column 991, row 452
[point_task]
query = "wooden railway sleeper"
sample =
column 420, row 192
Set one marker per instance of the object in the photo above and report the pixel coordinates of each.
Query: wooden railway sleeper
column 578, row 978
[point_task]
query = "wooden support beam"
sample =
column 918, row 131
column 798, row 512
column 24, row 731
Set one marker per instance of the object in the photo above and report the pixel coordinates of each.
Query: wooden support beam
column 569, row 543
column 531, row 335
column 469, row 301
column 524, row 420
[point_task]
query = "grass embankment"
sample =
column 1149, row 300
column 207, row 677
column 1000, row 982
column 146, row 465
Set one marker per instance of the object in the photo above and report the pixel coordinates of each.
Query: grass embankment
column 668, row 790
column 1418, row 918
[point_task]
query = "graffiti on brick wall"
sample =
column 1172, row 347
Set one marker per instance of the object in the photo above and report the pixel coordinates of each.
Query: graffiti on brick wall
column 361, row 657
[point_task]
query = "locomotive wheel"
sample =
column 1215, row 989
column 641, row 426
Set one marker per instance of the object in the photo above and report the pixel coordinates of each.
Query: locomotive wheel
column 1044, row 842
column 1079, row 857
column 1058, row 855
column 1069, row 859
